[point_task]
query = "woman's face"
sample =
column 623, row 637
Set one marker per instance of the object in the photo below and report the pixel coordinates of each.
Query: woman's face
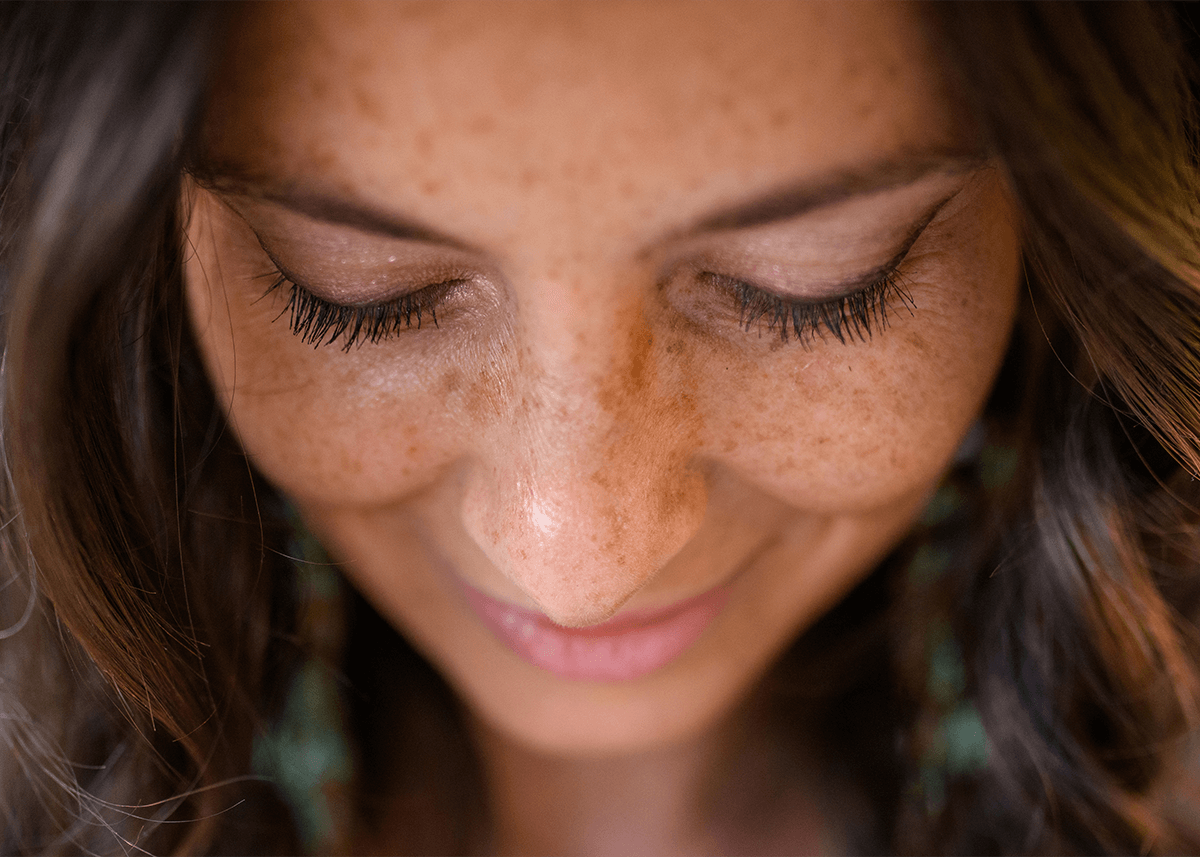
column 718, row 287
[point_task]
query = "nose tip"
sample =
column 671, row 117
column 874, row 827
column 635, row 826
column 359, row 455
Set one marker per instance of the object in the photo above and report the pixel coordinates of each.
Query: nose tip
column 580, row 544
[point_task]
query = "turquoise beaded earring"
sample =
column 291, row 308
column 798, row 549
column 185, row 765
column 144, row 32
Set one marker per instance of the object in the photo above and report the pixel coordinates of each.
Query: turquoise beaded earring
column 954, row 740
column 306, row 753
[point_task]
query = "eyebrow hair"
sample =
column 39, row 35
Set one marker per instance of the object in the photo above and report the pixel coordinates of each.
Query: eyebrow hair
column 779, row 204
column 841, row 186
column 325, row 207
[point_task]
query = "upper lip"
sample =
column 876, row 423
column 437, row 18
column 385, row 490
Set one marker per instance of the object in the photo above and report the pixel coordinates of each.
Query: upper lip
column 630, row 620
column 622, row 623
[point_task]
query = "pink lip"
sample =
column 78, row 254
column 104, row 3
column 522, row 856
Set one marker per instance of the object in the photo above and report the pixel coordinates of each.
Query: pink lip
column 621, row 649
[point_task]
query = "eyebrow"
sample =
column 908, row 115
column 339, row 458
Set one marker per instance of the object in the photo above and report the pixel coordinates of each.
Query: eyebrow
column 325, row 207
column 834, row 188
column 776, row 205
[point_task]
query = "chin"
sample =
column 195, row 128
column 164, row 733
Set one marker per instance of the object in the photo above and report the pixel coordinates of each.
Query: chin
column 551, row 716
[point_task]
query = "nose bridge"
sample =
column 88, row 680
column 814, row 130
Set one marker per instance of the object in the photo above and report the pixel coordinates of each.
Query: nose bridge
column 589, row 490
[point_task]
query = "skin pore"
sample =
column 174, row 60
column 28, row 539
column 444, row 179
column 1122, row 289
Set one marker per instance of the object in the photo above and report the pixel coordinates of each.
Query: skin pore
column 594, row 427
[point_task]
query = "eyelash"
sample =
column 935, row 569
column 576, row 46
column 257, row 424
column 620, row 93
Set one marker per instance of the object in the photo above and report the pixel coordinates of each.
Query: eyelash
column 319, row 322
column 855, row 316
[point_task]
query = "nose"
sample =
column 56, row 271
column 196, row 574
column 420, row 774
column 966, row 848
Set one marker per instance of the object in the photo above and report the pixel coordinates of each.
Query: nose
column 590, row 488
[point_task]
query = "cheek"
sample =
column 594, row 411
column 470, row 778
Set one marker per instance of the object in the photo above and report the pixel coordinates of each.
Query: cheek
column 854, row 432
column 837, row 428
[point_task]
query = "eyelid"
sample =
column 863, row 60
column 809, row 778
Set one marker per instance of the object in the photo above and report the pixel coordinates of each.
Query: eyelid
column 398, row 281
column 870, row 278
column 344, row 264
column 854, row 316
column 318, row 321
column 798, row 281
column 851, row 309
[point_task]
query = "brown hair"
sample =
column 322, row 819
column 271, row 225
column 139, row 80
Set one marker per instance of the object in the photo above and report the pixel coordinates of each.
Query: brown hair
column 149, row 622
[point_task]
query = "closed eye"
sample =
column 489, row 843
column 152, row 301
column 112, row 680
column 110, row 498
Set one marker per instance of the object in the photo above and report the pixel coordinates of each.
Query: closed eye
column 320, row 322
column 854, row 316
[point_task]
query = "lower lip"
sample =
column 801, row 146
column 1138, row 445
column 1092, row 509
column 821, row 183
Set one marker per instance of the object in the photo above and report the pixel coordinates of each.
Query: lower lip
column 621, row 649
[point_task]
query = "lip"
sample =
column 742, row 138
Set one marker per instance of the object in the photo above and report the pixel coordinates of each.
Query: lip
column 621, row 649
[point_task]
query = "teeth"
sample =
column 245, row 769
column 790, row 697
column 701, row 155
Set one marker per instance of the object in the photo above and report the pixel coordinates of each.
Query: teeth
column 510, row 620
column 527, row 630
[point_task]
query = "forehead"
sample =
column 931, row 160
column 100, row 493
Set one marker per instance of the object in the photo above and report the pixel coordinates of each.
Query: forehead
column 474, row 111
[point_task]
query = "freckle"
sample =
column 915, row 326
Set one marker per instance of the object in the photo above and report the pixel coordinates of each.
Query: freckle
column 629, row 384
column 917, row 342
column 451, row 382
column 480, row 400
column 424, row 143
column 821, row 441
column 482, row 125
column 412, row 450
column 318, row 86
column 730, row 445
column 528, row 179
column 368, row 105
column 321, row 160
column 430, row 187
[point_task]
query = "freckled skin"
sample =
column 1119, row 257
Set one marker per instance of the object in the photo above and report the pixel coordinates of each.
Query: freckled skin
column 572, row 439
